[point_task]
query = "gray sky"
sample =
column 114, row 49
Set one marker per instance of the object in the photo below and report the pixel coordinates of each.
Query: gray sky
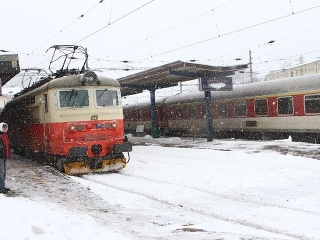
column 150, row 33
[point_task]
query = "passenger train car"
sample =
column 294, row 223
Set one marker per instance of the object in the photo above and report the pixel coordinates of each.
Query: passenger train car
column 73, row 122
column 266, row 110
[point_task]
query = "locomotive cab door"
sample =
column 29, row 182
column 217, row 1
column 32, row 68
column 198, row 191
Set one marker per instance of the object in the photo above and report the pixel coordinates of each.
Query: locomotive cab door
column 46, row 121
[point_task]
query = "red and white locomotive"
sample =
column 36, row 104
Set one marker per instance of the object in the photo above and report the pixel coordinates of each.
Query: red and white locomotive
column 266, row 110
column 73, row 122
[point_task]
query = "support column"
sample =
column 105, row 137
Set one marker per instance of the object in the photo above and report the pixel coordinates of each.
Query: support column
column 207, row 99
column 153, row 112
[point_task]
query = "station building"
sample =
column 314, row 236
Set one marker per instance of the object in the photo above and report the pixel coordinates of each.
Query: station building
column 300, row 70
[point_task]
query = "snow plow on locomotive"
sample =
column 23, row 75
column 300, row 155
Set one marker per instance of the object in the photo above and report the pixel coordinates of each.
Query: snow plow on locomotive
column 73, row 122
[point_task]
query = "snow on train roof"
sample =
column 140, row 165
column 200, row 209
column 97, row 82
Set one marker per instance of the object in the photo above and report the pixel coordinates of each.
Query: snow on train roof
column 75, row 80
column 283, row 86
column 293, row 85
column 69, row 82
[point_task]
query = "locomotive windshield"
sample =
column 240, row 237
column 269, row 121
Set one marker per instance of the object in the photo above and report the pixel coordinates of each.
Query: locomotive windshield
column 74, row 98
column 106, row 97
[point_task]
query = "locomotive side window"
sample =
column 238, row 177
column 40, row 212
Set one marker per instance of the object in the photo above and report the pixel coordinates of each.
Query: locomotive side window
column 45, row 96
column 106, row 97
column 240, row 109
column 222, row 110
column 261, row 107
column 74, row 98
column 31, row 100
column 312, row 103
column 285, row 105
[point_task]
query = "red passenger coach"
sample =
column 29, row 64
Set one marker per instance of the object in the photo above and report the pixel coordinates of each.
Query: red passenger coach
column 273, row 109
column 73, row 122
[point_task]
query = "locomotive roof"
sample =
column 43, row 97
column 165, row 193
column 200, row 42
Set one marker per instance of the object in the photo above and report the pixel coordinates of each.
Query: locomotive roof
column 70, row 82
column 75, row 81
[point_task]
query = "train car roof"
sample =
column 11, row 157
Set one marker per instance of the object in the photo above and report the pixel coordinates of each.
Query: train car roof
column 142, row 104
column 285, row 86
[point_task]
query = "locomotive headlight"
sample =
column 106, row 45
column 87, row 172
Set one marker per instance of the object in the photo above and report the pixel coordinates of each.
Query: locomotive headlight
column 80, row 127
column 73, row 128
column 108, row 125
column 114, row 125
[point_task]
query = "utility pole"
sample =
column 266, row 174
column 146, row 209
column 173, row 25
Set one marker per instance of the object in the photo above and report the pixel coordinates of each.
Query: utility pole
column 250, row 66
column 207, row 99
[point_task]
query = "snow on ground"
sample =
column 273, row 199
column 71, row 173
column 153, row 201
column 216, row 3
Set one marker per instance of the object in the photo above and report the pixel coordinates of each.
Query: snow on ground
column 25, row 219
column 173, row 188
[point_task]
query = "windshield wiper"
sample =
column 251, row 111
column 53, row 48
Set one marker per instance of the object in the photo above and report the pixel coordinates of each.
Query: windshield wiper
column 102, row 93
column 72, row 93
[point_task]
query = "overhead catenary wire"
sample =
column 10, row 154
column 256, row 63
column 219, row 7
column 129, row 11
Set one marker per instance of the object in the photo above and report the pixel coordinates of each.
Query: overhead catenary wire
column 117, row 20
column 291, row 7
column 154, row 55
column 232, row 32
column 272, row 42
column 68, row 25
column 128, row 68
column 170, row 28
column 229, row 33
column 59, row 32
column 82, row 15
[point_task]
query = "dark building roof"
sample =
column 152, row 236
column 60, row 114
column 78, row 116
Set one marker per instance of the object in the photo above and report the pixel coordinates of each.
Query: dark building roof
column 9, row 67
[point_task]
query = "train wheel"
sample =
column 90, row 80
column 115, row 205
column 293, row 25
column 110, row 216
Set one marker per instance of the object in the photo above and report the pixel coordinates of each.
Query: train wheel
column 60, row 164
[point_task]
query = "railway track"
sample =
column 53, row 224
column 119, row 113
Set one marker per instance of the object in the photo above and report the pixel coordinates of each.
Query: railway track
column 201, row 210
column 142, row 199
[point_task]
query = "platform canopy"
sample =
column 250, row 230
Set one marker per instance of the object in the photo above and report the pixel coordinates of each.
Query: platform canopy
column 171, row 74
column 9, row 67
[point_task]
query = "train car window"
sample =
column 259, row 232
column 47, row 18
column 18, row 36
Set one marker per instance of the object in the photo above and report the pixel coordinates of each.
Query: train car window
column 130, row 115
column 222, row 110
column 261, row 107
column 106, row 97
column 192, row 111
column 202, row 111
column 285, row 105
column 74, row 98
column 179, row 112
column 141, row 114
column 170, row 113
column 240, row 109
column 312, row 104
column 135, row 114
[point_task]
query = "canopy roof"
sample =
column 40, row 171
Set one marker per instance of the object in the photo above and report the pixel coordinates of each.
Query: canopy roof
column 171, row 74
